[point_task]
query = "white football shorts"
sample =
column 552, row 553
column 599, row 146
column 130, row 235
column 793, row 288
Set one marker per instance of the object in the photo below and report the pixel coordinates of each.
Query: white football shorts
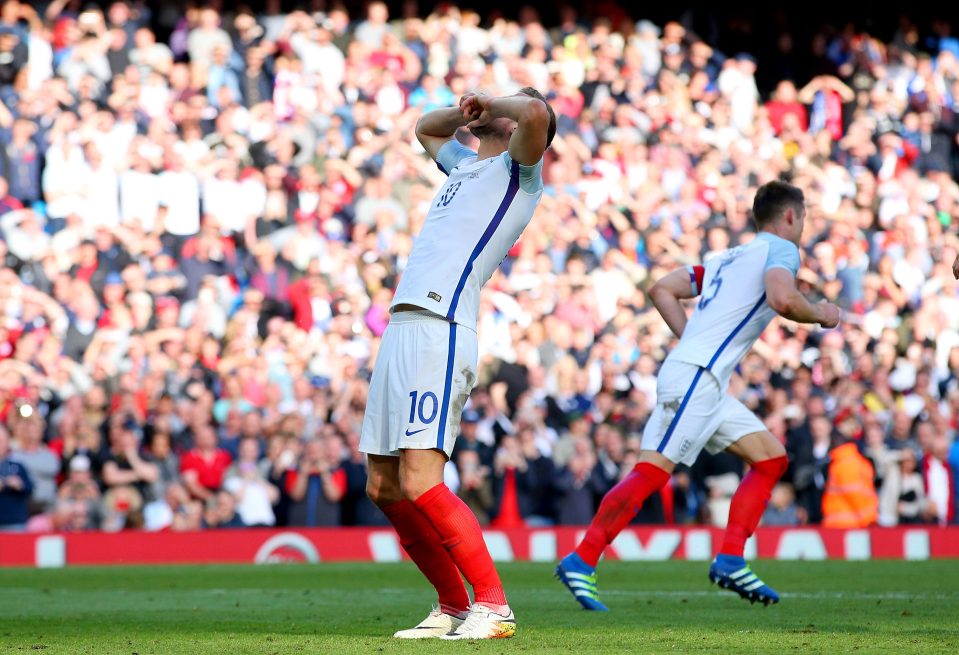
column 424, row 372
column 692, row 412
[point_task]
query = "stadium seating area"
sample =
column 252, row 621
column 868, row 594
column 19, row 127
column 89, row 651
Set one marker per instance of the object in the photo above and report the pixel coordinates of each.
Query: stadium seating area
column 201, row 234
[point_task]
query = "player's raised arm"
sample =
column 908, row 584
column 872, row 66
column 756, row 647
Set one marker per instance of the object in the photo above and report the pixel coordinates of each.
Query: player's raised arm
column 785, row 299
column 534, row 119
column 436, row 128
column 667, row 293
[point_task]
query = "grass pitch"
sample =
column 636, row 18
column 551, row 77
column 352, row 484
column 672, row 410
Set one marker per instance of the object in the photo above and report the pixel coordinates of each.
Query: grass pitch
column 828, row 607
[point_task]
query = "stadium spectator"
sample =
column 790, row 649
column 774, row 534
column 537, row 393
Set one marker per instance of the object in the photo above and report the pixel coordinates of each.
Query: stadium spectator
column 15, row 488
column 179, row 236
column 254, row 496
column 204, row 467
column 849, row 499
column 125, row 466
column 42, row 465
column 221, row 512
column 938, row 480
column 578, row 485
column 320, row 484
column 903, row 493
column 476, row 488
column 782, row 509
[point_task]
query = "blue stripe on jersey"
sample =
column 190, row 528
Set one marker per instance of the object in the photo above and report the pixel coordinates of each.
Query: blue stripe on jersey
column 442, row 170
column 736, row 330
column 699, row 373
column 679, row 412
column 447, row 385
column 511, row 190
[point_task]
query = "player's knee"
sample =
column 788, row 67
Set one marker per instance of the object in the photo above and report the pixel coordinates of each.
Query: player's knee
column 383, row 492
column 777, row 464
column 412, row 488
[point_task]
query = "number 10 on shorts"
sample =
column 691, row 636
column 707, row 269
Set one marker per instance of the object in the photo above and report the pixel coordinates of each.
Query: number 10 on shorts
column 427, row 407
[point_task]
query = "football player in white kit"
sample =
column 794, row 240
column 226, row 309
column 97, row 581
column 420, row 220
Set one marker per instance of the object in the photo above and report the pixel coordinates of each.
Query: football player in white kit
column 740, row 291
column 426, row 365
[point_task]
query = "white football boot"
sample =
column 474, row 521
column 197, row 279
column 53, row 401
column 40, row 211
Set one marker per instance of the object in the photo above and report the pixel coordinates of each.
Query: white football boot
column 435, row 625
column 484, row 623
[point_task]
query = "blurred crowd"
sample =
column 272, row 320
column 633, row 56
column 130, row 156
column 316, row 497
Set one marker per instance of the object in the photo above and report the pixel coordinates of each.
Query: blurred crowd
column 202, row 226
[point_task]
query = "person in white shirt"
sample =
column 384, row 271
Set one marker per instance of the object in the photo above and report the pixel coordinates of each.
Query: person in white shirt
column 64, row 173
column 224, row 198
column 180, row 194
column 103, row 191
column 320, row 57
column 255, row 496
column 207, row 36
column 139, row 194
column 23, row 232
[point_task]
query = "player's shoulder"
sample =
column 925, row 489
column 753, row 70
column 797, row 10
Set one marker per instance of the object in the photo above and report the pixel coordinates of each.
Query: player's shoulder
column 774, row 241
column 530, row 176
column 453, row 154
column 780, row 253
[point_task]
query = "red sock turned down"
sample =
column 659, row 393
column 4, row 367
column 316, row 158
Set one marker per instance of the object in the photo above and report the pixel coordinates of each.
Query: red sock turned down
column 618, row 508
column 749, row 503
column 424, row 546
column 463, row 539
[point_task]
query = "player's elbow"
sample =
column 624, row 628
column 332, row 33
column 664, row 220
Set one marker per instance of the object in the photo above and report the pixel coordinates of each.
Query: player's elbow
column 660, row 293
column 535, row 114
column 422, row 130
column 421, row 135
column 782, row 304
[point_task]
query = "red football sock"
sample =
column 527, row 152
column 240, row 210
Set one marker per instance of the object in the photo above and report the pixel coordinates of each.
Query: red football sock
column 462, row 537
column 618, row 508
column 749, row 502
column 424, row 546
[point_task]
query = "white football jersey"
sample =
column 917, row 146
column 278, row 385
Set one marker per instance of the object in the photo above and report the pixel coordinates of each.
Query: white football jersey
column 474, row 220
column 732, row 311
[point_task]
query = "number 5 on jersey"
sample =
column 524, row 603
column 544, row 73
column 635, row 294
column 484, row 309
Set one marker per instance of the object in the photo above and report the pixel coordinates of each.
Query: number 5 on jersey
column 714, row 284
column 427, row 403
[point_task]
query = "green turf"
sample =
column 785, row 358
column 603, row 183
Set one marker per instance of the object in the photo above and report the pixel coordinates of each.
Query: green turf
column 828, row 607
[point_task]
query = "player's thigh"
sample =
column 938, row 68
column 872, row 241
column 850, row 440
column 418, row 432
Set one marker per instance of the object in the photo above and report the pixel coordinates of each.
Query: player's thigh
column 741, row 433
column 379, row 421
column 383, row 479
column 685, row 416
column 436, row 384
column 757, row 447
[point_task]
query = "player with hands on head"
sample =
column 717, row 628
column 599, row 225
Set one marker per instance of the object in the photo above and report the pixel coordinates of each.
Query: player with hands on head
column 426, row 364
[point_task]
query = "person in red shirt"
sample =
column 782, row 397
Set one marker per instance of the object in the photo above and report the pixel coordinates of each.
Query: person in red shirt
column 203, row 466
column 826, row 95
column 784, row 101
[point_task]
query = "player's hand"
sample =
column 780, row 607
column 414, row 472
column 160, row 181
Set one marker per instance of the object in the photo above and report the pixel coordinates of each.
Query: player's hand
column 830, row 314
column 476, row 110
column 468, row 107
column 955, row 268
column 466, row 96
